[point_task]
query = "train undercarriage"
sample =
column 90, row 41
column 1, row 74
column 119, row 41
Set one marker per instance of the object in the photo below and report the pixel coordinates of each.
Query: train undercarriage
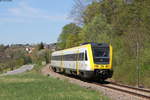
column 97, row 74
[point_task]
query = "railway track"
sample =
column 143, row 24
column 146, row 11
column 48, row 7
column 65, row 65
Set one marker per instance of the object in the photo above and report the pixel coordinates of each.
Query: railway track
column 138, row 92
column 142, row 93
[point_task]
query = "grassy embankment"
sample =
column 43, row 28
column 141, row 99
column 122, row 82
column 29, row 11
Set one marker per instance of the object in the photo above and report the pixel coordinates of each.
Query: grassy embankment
column 33, row 86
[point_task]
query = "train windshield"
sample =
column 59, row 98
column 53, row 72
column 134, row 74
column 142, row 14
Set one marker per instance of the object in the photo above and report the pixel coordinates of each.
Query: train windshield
column 101, row 55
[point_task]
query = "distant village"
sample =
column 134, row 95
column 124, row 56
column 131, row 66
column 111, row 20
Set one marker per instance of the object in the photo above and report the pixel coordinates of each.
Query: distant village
column 28, row 48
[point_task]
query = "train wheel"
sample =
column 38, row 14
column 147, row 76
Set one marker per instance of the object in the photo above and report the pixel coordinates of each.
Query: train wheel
column 82, row 77
column 98, row 79
column 54, row 69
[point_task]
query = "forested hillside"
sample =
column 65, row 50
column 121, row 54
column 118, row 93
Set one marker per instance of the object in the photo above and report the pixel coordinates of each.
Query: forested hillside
column 123, row 23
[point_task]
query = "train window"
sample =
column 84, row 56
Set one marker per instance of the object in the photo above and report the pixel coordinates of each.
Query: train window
column 58, row 58
column 69, row 57
column 74, row 57
column 101, row 55
column 77, row 56
column 65, row 57
column 81, row 57
column 86, row 56
column 101, row 52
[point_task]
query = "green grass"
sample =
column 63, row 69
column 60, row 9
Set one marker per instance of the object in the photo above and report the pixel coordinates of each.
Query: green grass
column 33, row 86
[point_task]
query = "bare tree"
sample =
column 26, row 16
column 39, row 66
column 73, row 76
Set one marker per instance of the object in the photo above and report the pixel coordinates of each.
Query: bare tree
column 77, row 11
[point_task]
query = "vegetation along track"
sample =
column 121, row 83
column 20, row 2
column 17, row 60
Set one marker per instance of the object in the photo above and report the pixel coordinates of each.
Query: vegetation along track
column 142, row 94
column 145, row 94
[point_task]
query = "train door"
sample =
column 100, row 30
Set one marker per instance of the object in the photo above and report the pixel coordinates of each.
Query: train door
column 82, row 59
column 62, row 64
column 77, row 62
column 85, row 59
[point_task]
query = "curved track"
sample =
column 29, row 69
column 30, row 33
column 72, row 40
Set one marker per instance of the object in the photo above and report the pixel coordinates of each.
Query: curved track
column 145, row 94
column 142, row 94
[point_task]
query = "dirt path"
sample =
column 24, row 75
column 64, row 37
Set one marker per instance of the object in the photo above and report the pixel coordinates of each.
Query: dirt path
column 112, row 94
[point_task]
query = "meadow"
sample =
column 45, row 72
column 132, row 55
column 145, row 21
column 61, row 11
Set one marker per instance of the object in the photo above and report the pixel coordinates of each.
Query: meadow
column 34, row 86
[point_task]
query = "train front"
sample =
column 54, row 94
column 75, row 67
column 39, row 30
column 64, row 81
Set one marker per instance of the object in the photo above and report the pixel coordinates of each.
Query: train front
column 102, row 58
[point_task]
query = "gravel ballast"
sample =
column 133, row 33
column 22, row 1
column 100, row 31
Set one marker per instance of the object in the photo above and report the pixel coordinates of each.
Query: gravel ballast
column 112, row 94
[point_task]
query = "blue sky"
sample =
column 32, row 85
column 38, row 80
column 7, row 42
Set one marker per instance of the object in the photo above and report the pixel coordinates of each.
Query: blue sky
column 33, row 21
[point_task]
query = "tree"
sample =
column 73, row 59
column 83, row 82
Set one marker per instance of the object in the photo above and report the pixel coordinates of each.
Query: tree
column 77, row 12
column 91, row 11
column 41, row 46
column 94, row 31
column 2, row 48
column 69, row 31
column 72, row 40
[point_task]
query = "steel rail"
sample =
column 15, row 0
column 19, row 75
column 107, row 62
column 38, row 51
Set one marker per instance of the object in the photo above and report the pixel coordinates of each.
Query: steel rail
column 121, row 90
column 126, row 91
column 134, row 88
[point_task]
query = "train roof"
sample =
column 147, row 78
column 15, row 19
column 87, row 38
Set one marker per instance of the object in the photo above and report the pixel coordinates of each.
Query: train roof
column 96, row 44
column 80, row 46
column 85, row 45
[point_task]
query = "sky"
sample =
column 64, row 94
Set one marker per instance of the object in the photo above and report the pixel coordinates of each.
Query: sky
column 33, row 21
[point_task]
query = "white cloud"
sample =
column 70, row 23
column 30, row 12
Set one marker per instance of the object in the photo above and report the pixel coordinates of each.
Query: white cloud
column 25, row 12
